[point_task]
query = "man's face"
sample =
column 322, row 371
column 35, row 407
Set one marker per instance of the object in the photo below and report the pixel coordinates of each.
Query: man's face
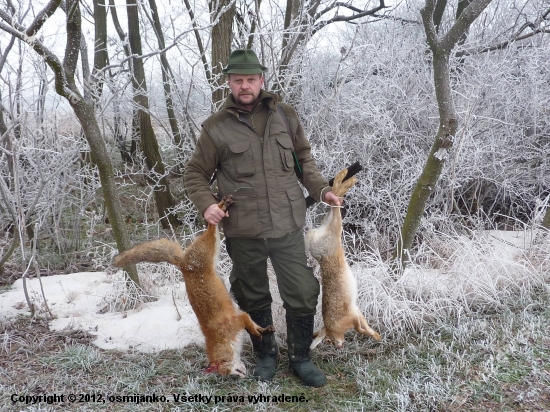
column 245, row 88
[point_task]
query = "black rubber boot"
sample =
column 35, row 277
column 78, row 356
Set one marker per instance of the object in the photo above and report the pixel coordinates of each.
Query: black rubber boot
column 299, row 338
column 265, row 350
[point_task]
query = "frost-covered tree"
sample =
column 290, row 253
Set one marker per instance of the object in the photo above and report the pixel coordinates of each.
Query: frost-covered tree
column 441, row 47
column 66, row 86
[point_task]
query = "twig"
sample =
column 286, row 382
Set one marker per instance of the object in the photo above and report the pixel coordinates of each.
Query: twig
column 27, row 297
column 176, row 306
column 37, row 269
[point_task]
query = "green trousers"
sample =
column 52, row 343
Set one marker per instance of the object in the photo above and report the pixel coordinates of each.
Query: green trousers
column 298, row 287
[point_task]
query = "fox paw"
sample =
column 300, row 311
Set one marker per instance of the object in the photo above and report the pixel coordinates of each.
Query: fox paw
column 226, row 202
column 340, row 187
column 267, row 329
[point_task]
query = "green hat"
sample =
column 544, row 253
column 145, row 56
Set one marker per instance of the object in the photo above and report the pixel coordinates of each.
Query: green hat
column 244, row 62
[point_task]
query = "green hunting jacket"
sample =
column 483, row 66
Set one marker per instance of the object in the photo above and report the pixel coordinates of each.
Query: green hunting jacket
column 254, row 163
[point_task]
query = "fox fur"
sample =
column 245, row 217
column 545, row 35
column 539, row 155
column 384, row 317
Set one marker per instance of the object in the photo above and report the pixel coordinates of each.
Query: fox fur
column 339, row 308
column 220, row 320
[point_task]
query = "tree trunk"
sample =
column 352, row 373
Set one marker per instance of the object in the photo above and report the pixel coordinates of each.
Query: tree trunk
column 202, row 49
column 546, row 220
column 3, row 127
column 116, row 22
column 438, row 13
column 222, row 34
column 65, row 86
column 101, row 57
column 299, row 24
column 161, row 189
column 291, row 12
column 461, row 6
column 167, row 76
column 85, row 113
column 18, row 91
column 128, row 156
column 4, row 139
column 436, row 158
column 441, row 48
column 253, row 25
column 5, row 142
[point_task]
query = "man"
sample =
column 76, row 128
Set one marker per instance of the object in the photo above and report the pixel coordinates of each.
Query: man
column 248, row 143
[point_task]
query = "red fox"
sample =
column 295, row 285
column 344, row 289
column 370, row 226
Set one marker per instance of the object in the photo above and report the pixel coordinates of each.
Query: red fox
column 220, row 320
column 339, row 308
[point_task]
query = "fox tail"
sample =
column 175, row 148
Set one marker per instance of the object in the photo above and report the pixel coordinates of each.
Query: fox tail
column 162, row 250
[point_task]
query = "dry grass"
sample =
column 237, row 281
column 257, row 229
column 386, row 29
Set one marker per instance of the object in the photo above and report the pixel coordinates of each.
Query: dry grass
column 477, row 362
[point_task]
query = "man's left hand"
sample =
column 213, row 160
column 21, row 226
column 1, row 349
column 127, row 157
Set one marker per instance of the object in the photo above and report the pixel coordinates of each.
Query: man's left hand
column 332, row 199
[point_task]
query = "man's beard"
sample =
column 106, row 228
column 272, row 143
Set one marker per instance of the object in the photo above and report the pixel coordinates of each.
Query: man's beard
column 240, row 101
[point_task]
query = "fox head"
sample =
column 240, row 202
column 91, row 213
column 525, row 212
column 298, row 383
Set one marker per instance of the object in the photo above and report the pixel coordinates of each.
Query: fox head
column 226, row 360
column 228, row 367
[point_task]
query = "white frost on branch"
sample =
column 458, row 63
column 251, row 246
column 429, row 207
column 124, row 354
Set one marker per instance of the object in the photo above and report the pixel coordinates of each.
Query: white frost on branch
column 441, row 154
column 28, row 39
column 71, row 96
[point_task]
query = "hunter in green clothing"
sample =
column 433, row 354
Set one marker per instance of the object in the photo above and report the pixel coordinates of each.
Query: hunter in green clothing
column 248, row 144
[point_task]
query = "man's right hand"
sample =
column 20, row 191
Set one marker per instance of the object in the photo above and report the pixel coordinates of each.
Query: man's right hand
column 213, row 214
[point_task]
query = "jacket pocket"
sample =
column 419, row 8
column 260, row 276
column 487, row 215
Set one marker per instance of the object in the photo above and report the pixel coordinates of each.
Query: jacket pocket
column 298, row 204
column 285, row 149
column 241, row 158
column 243, row 220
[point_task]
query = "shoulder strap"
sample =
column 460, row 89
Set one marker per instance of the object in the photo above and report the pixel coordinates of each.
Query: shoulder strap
column 297, row 167
column 283, row 115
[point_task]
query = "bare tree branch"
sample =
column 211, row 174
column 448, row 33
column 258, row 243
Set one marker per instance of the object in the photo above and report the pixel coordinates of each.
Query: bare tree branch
column 462, row 23
column 255, row 18
column 518, row 36
column 10, row 20
column 335, row 5
column 502, row 45
column 202, row 50
column 311, row 13
column 72, row 48
column 6, row 52
column 385, row 16
column 123, row 36
column 4, row 191
column 429, row 26
column 42, row 17
column 338, row 18
column 144, row 56
column 50, row 58
column 10, row 6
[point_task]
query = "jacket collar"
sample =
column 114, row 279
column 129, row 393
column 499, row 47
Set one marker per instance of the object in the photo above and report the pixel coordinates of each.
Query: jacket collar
column 269, row 99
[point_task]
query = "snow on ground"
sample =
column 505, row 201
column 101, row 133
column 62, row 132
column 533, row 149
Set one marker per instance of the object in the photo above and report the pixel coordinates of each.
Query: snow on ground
column 511, row 242
column 76, row 300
